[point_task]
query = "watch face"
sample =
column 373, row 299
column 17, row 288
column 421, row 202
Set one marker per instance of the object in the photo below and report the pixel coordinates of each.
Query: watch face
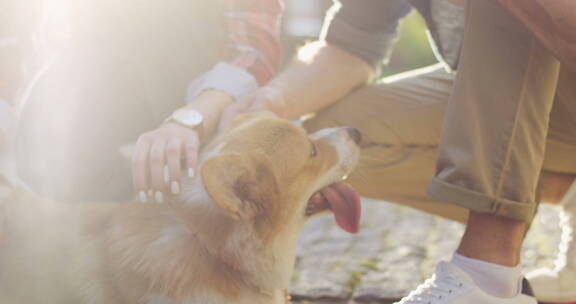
column 189, row 118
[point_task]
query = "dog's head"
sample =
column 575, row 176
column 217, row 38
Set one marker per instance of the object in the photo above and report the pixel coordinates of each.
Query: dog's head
column 269, row 173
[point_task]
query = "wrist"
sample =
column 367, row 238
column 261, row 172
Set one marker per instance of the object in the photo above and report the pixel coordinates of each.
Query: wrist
column 210, row 104
column 189, row 119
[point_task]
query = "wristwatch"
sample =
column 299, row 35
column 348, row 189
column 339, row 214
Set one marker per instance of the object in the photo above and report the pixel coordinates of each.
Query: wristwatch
column 188, row 118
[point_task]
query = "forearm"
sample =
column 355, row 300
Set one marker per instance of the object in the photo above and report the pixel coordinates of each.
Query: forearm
column 310, row 85
column 211, row 103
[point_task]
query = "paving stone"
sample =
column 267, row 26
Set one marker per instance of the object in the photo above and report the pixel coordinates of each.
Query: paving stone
column 396, row 250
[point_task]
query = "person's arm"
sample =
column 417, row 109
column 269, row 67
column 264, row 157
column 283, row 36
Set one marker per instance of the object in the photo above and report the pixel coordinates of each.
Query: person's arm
column 355, row 41
column 253, row 57
column 552, row 21
column 331, row 73
column 253, row 51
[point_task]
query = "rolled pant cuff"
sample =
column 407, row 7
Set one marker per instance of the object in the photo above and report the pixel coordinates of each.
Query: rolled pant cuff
column 480, row 202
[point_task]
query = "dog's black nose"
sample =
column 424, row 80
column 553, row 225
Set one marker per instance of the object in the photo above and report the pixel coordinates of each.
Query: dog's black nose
column 355, row 135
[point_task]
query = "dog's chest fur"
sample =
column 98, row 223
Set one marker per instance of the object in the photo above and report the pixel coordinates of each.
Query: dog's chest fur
column 119, row 253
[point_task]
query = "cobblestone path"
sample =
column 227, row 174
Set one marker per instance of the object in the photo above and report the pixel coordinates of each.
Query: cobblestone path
column 396, row 249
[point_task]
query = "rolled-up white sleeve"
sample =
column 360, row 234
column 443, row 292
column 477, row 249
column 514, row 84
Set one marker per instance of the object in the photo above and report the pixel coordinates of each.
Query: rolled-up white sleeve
column 224, row 77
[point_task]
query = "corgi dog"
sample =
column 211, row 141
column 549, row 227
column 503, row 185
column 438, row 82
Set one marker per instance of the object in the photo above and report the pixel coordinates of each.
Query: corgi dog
column 228, row 237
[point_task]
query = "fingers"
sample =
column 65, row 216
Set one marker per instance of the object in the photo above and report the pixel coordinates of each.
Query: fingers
column 191, row 149
column 234, row 110
column 140, row 167
column 157, row 162
column 258, row 105
column 173, row 157
column 268, row 99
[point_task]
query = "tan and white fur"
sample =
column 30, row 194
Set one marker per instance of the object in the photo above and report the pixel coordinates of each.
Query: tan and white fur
column 229, row 237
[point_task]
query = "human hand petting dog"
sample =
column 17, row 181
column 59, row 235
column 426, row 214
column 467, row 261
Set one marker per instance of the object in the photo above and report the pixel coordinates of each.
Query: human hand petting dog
column 159, row 156
column 157, row 150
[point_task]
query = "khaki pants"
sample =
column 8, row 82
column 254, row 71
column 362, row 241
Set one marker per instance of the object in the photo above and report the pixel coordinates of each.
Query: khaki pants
column 495, row 137
column 401, row 120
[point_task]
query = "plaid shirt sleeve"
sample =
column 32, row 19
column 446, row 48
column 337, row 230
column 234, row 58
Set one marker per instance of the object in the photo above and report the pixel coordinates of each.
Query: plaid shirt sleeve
column 253, row 35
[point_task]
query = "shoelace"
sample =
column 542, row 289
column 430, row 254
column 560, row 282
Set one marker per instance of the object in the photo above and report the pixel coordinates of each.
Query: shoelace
column 433, row 290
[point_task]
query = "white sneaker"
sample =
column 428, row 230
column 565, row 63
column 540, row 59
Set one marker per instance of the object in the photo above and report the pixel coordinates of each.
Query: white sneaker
column 559, row 283
column 451, row 285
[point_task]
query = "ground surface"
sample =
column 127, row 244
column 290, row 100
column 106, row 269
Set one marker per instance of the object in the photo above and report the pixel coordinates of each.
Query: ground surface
column 396, row 250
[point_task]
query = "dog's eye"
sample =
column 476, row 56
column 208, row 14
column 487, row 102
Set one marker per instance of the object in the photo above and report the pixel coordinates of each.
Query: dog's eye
column 314, row 151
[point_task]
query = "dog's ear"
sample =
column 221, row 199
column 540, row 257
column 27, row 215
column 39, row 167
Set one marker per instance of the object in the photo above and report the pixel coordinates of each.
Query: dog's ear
column 242, row 185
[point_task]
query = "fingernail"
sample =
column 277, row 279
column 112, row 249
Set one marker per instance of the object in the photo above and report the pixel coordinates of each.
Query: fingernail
column 166, row 174
column 159, row 197
column 190, row 172
column 142, row 196
column 150, row 193
column 175, row 187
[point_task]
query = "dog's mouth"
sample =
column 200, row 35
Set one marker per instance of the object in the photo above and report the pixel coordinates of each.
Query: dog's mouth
column 342, row 200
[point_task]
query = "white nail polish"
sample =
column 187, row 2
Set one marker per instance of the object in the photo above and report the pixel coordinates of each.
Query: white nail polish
column 175, row 187
column 159, row 197
column 142, row 196
column 190, row 172
column 166, row 175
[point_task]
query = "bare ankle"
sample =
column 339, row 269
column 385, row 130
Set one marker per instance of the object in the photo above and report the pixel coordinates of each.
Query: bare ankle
column 555, row 185
column 493, row 239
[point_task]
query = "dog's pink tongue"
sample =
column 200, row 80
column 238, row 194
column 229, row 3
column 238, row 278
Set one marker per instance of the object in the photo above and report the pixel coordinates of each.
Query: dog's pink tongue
column 345, row 204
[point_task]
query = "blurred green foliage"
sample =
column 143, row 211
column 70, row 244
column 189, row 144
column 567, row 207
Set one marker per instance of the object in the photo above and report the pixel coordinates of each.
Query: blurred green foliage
column 412, row 49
